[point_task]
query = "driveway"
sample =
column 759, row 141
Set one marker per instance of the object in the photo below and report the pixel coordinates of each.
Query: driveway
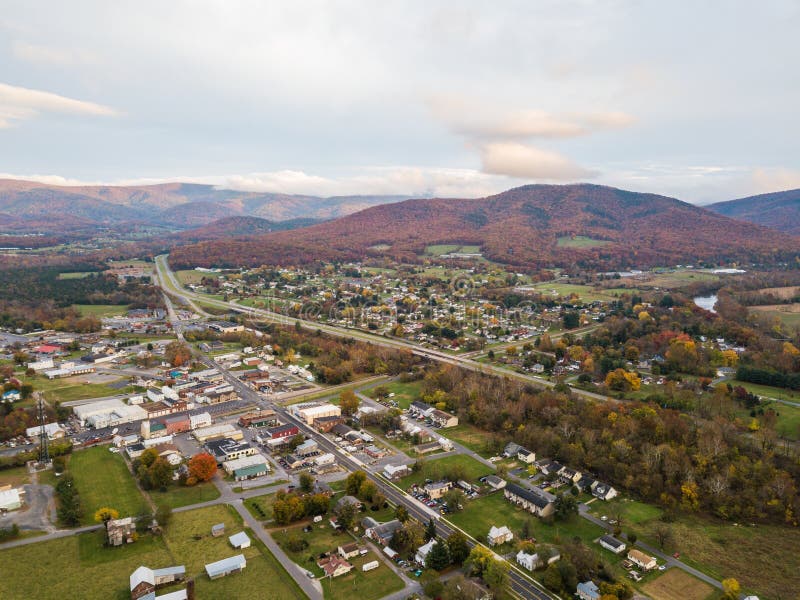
column 38, row 511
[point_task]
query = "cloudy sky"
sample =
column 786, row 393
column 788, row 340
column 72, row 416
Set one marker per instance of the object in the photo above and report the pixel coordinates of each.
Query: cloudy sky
column 697, row 100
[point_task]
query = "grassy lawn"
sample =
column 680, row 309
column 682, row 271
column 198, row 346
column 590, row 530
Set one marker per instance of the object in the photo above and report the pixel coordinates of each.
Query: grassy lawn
column 435, row 469
column 585, row 293
column 439, row 249
column 675, row 584
column 763, row 558
column 404, row 393
column 481, row 514
column 580, row 241
column 74, row 388
column 179, row 495
column 57, row 568
column 356, row 584
column 632, row 512
column 187, row 276
column 101, row 310
column 468, row 436
column 14, row 477
column 788, row 314
column 767, row 391
column 261, row 506
column 103, row 479
column 75, row 275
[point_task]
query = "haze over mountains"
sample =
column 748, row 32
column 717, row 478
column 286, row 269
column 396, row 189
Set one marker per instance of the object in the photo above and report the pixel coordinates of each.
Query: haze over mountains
column 29, row 206
column 530, row 226
column 779, row 210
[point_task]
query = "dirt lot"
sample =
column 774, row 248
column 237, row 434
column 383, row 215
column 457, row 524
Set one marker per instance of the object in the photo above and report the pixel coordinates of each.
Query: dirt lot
column 675, row 584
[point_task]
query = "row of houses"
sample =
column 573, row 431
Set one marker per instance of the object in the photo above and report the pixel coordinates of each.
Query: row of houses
column 583, row 482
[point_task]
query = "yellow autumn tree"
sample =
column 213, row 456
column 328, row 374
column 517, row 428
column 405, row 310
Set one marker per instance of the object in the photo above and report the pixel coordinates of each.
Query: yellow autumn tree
column 106, row 514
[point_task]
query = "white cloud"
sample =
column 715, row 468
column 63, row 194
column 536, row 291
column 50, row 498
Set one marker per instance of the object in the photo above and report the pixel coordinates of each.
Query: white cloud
column 774, row 179
column 485, row 120
column 409, row 181
column 19, row 103
column 518, row 160
column 50, row 55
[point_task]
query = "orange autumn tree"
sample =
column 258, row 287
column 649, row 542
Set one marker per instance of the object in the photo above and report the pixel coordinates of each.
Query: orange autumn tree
column 202, row 467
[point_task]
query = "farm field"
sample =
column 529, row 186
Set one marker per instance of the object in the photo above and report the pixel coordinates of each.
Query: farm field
column 586, row 293
column 103, row 479
column 723, row 549
column 675, row 584
column 59, row 567
column 439, row 249
column 470, row 469
column 788, row 314
column 371, row 585
column 580, row 241
column 101, row 310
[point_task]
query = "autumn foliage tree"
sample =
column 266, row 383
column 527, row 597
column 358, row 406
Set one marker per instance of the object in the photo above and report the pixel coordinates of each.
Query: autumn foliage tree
column 177, row 354
column 202, row 467
column 106, row 514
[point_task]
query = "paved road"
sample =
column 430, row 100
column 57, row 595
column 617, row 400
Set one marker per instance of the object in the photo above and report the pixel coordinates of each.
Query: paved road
column 50, row 536
column 171, row 285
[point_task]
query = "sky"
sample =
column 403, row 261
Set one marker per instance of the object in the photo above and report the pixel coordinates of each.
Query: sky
column 696, row 100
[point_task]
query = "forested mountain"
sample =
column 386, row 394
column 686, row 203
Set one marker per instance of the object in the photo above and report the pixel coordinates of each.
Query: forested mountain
column 239, row 226
column 529, row 227
column 36, row 207
column 779, row 210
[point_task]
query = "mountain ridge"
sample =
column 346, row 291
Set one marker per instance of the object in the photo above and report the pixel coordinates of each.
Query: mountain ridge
column 779, row 210
column 521, row 227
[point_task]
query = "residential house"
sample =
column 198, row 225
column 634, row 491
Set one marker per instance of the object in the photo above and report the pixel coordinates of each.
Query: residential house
column 380, row 533
column 437, row 489
column 538, row 503
column 527, row 561
column 226, row 566
column 443, row 419
column 568, row 475
column 495, row 482
column 422, row 552
column 609, row 542
column 344, row 500
column 511, row 450
column 420, row 410
column 588, row 590
column 396, row 471
column 499, row 535
column 603, row 491
column 348, row 550
column 526, row 456
column 642, row 560
column 120, row 531
column 334, row 566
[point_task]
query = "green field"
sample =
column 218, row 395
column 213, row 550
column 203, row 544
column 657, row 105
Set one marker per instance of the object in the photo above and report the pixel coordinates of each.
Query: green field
column 435, row 468
column 481, row 514
column 787, row 314
column 74, row 388
column 580, row 241
column 356, row 584
column 103, row 479
column 57, row 569
column 14, row 477
column 75, row 274
column 261, row 506
column 468, row 436
column 586, row 293
column 404, row 393
column 719, row 548
column 101, row 310
column 180, row 495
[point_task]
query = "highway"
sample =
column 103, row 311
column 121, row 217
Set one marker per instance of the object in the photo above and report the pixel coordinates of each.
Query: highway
column 173, row 287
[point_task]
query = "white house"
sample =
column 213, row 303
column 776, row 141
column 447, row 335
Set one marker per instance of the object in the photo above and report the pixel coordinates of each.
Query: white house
column 609, row 542
column 527, row 561
column 395, row 471
column 499, row 535
column 642, row 560
column 422, row 552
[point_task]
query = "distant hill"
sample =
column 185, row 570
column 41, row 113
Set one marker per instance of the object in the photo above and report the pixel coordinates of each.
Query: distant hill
column 35, row 207
column 240, row 226
column 779, row 210
column 533, row 226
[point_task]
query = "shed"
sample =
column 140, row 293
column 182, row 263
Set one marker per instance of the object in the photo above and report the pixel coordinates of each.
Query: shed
column 218, row 529
column 239, row 540
column 226, row 566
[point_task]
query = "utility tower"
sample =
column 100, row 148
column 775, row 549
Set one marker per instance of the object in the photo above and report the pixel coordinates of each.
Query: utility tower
column 44, row 452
